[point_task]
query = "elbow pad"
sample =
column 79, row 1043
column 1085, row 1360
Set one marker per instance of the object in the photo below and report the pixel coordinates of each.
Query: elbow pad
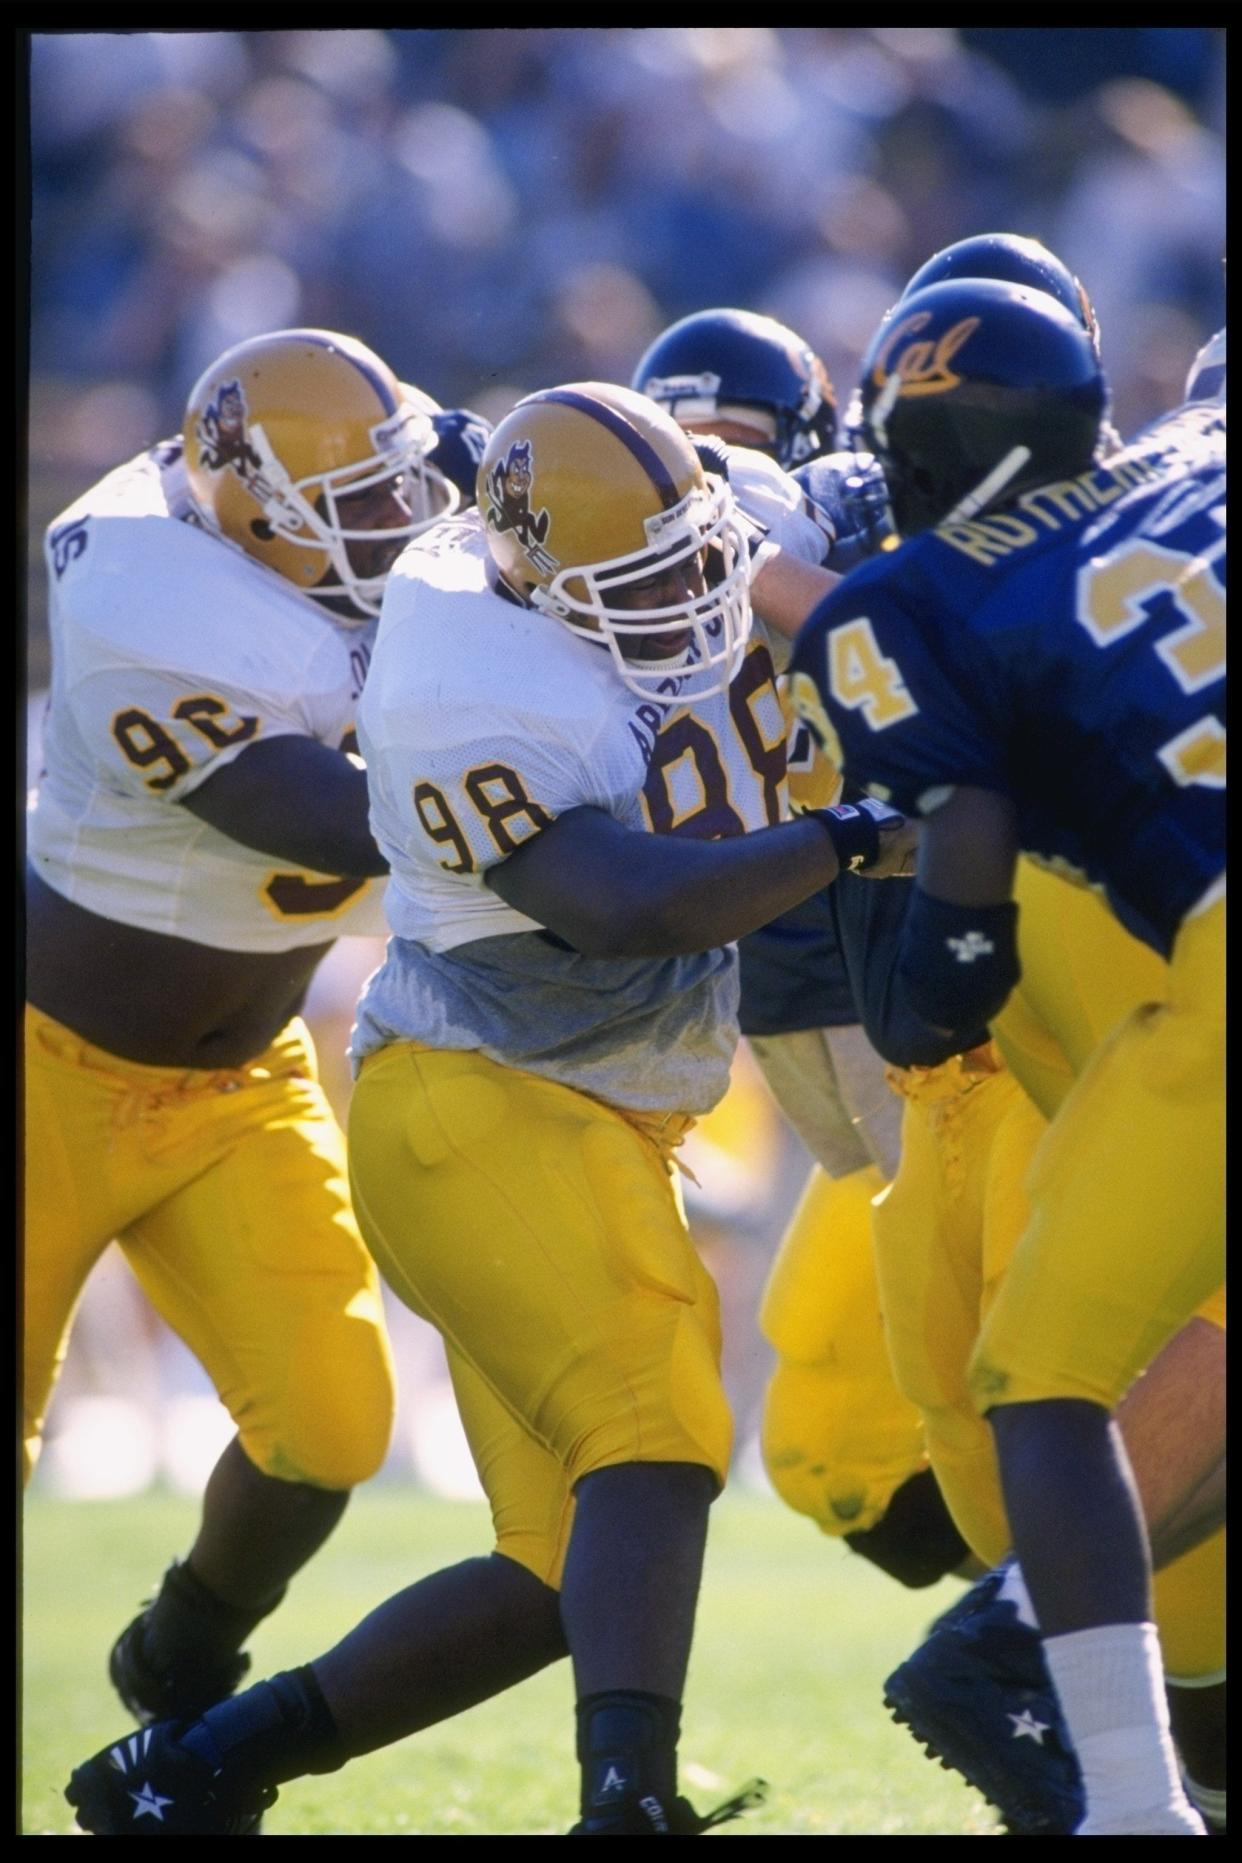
column 958, row 963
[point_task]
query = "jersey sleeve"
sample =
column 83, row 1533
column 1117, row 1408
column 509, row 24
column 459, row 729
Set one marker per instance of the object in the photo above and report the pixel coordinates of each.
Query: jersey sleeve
column 904, row 689
column 772, row 499
column 466, row 802
column 161, row 733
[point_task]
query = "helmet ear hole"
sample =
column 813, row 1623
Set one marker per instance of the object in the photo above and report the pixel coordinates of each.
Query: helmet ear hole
column 262, row 530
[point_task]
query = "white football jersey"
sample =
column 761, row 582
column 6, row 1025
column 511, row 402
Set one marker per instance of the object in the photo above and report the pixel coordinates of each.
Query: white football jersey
column 171, row 651
column 483, row 720
column 772, row 498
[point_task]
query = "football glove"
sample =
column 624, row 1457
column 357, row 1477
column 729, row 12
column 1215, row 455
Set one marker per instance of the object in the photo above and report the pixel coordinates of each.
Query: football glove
column 846, row 496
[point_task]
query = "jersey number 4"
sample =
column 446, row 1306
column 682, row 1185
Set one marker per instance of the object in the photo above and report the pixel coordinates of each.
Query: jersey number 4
column 861, row 677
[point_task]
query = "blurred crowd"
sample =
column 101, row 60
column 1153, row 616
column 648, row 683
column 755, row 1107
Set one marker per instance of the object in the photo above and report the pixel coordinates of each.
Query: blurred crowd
column 498, row 210
column 494, row 211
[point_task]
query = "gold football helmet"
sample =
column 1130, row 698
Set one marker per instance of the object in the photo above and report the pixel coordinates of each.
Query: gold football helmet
column 286, row 433
column 596, row 507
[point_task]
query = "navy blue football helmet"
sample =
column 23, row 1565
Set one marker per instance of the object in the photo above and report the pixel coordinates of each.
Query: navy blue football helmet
column 721, row 360
column 973, row 391
column 461, row 441
column 1017, row 261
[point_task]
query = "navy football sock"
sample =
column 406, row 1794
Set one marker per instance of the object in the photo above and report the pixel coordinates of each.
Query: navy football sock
column 275, row 1731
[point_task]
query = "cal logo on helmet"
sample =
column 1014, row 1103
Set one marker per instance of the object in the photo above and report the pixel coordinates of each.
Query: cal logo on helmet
column 923, row 368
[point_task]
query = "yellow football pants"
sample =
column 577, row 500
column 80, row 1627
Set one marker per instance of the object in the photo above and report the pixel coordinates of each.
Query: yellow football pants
column 540, row 1231
column 945, row 1233
column 1082, row 973
column 1126, row 1236
column 839, row 1438
column 227, row 1193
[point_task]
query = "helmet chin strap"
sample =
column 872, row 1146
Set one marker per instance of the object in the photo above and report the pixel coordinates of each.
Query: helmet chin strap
column 987, row 489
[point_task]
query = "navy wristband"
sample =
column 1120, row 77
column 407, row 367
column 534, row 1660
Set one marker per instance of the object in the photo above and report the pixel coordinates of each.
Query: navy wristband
column 958, row 964
column 854, row 830
column 855, row 835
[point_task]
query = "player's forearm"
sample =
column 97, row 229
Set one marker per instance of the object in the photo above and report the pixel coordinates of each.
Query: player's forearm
column 615, row 892
column 327, row 834
column 786, row 591
column 718, row 891
column 296, row 800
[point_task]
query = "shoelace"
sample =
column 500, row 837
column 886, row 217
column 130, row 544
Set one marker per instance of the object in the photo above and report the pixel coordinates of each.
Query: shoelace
column 753, row 1793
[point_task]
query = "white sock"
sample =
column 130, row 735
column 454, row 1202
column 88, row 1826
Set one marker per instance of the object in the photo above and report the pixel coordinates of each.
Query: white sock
column 1013, row 1589
column 1110, row 1682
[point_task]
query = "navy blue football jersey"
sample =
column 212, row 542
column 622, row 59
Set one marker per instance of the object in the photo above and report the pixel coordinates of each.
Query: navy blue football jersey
column 1068, row 652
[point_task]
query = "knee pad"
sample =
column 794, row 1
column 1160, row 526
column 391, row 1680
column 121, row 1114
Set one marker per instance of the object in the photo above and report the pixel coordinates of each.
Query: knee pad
column 838, row 1436
column 334, row 1423
column 838, row 1451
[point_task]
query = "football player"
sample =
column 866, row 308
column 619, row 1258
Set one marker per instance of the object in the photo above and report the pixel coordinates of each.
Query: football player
column 964, row 1158
column 198, row 840
column 576, row 758
column 840, row 1442
column 986, row 676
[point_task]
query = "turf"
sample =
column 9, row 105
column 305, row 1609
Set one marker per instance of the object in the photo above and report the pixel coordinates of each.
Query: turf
column 795, row 1636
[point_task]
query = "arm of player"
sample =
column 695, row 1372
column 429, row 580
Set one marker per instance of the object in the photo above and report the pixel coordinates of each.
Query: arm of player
column 786, row 591
column 296, row 799
column 958, row 959
column 612, row 891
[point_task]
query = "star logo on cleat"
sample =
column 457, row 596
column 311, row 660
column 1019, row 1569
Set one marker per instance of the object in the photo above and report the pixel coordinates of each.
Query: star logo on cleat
column 1026, row 1727
column 149, row 1804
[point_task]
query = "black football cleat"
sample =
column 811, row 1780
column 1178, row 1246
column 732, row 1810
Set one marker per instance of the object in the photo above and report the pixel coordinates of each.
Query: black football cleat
column 176, row 1694
column 650, row 1817
column 978, row 1696
column 149, row 1785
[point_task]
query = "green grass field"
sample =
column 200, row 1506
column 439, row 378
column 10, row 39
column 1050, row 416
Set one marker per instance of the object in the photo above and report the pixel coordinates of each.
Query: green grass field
column 794, row 1639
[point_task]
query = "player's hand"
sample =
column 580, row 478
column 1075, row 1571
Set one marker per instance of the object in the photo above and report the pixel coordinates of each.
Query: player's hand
column 899, row 842
column 847, row 497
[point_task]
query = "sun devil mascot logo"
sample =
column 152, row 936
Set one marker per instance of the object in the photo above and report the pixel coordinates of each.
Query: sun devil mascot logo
column 222, row 437
column 508, row 490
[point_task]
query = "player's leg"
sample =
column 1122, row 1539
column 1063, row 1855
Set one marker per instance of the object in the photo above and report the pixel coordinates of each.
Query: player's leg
column 1125, row 1242
column 1082, row 974
column 470, row 1631
column 82, row 1181
column 1173, row 1421
column 1190, row 1611
column 840, row 1442
column 437, row 1647
column 258, row 1266
column 936, row 1266
column 595, row 1324
column 549, row 1234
